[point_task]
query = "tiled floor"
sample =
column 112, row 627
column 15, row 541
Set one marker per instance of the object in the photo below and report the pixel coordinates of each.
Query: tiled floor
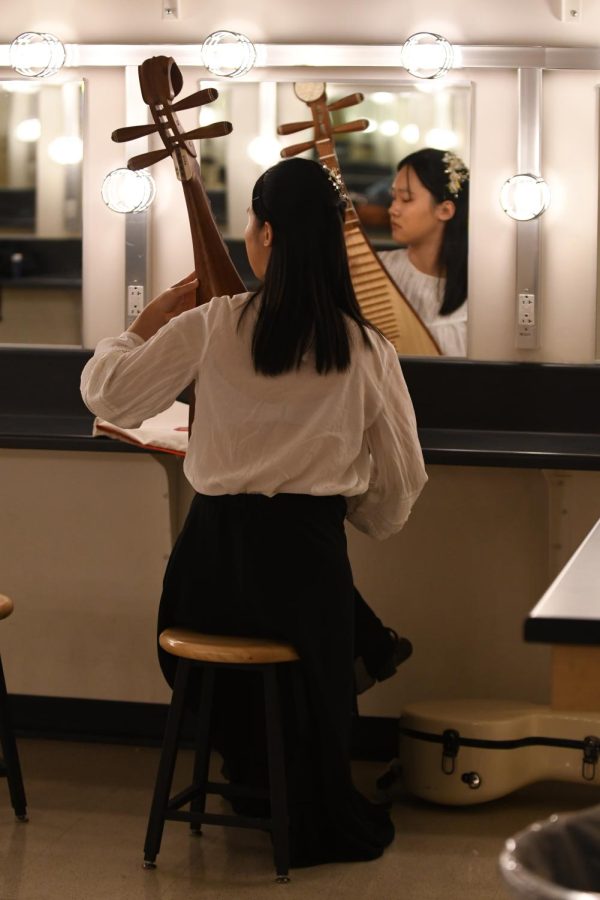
column 88, row 805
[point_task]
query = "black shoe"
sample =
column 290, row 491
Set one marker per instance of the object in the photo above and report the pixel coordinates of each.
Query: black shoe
column 366, row 673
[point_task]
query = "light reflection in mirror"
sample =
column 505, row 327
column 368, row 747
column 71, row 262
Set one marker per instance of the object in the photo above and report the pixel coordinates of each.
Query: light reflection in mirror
column 41, row 151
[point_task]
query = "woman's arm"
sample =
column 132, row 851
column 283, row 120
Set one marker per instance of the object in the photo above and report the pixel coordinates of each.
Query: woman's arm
column 172, row 302
column 397, row 468
column 141, row 372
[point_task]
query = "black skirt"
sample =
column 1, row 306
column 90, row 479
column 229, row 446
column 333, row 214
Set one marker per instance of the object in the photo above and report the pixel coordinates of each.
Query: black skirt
column 278, row 567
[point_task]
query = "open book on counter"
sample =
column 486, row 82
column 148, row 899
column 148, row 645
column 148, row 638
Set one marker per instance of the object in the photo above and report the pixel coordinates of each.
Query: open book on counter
column 167, row 432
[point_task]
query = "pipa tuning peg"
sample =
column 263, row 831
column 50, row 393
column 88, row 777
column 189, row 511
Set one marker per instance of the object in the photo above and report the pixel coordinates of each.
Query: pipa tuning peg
column 357, row 125
column 198, row 99
column 291, row 127
column 217, row 129
column 350, row 100
column 130, row 133
column 296, row 148
column 147, row 159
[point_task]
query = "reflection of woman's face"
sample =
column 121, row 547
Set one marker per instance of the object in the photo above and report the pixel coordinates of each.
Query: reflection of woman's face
column 256, row 237
column 415, row 217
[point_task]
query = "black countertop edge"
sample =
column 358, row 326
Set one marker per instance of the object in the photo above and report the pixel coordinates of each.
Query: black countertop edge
column 67, row 442
column 440, row 446
column 456, row 456
column 562, row 631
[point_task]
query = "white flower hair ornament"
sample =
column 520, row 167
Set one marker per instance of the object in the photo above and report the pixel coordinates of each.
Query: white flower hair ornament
column 335, row 179
column 456, row 171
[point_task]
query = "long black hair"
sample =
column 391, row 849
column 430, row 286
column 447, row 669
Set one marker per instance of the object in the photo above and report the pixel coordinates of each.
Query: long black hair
column 446, row 178
column 307, row 292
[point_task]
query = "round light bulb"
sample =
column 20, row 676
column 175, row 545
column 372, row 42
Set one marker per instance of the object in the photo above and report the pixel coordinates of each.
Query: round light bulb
column 524, row 197
column 228, row 54
column 126, row 191
column 28, row 131
column 381, row 97
column 265, row 151
column 410, row 134
column 441, row 138
column 427, row 55
column 389, row 127
column 36, row 54
column 66, row 151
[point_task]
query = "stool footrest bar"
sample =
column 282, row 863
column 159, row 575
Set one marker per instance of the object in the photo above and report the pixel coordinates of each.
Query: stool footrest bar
column 219, row 819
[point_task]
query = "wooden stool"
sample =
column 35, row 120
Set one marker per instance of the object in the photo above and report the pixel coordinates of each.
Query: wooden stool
column 10, row 767
column 213, row 652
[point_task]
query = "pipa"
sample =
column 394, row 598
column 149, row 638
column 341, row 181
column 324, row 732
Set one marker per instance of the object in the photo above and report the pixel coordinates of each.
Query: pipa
column 160, row 82
column 379, row 297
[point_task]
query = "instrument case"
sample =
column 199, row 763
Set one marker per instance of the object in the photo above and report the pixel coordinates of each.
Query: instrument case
column 463, row 752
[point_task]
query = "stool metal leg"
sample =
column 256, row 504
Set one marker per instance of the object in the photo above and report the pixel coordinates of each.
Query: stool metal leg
column 166, row 767
column 277, row 782
column 202, row 758
column 10, row 755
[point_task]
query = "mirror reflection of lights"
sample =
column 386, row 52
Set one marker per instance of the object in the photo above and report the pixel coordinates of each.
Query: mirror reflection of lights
column 265, row 151
column 427, row 55
column 441, row 138
column 389, row 127
column 524, row 197
column 125, row 191
column 66, row 151
column 381, row 97
column 19, row 87
column 208, row 116
column 228, row 54
column 410, row 134
column 36, row 54
column 28, row 131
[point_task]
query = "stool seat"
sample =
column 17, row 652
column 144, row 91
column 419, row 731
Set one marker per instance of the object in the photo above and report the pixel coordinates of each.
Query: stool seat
column 221, row 648
column 6, row 606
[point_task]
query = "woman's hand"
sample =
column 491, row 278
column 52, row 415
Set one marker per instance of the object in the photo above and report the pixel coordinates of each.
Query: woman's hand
column 171, row 303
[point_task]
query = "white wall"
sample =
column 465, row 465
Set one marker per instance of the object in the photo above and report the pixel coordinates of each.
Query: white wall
column 382, row 21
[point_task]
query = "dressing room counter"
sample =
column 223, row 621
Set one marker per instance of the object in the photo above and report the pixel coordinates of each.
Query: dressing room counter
column 101, row 524
column 470, row 413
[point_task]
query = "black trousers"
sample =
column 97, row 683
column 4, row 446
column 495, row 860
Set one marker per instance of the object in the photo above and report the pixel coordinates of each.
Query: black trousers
column 278, row 567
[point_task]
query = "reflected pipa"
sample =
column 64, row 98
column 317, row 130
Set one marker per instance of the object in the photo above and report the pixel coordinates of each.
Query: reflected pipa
column 378, row 295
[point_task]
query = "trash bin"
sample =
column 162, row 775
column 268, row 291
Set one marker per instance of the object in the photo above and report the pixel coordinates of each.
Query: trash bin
column 558, row 859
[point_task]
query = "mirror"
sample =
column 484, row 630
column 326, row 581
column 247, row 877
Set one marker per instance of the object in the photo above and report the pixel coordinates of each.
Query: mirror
column 403, row 117
column 41, row 153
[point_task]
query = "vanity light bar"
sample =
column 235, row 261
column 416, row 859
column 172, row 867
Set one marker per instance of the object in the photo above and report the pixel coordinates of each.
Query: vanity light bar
column 329, row 56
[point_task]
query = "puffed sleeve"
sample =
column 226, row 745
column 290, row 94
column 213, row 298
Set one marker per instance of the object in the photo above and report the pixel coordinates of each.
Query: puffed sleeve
column 397, row 468
column 128, row 380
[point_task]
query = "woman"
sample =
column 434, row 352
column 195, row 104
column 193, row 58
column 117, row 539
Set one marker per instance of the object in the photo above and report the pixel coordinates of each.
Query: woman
column 302, row 419
column 429, row 217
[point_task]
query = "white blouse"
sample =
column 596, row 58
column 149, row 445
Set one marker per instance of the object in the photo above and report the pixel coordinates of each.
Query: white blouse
column 425, row 293
column 351, row 433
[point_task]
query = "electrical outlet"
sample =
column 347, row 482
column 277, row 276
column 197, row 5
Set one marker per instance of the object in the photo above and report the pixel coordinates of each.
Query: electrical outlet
column 526, row 337
column 135, row 299
column 526, row 309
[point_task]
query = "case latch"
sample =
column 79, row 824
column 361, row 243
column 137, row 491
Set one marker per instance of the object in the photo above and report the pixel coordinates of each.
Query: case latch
column 591, row 752
column 450, row 748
